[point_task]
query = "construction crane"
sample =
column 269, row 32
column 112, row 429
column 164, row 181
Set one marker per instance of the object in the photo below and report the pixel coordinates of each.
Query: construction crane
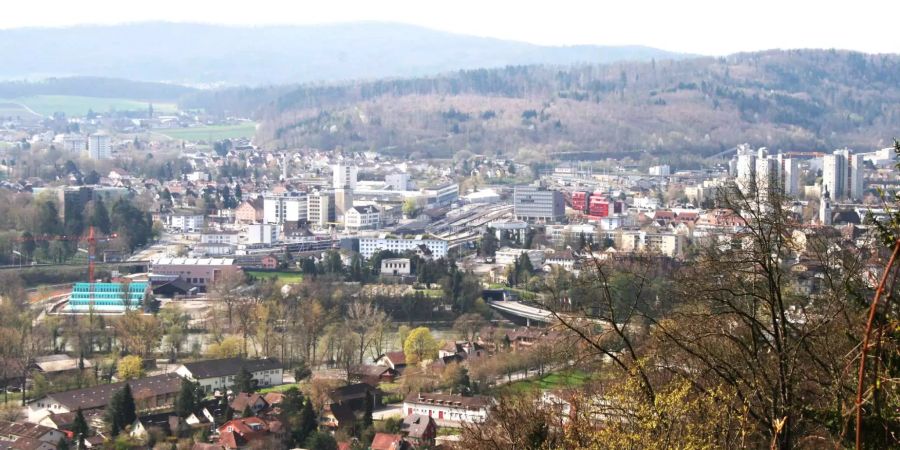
column 91, row 238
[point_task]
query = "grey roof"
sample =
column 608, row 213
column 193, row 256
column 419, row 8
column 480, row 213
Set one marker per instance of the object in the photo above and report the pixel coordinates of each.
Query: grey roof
column 230, row 366
column 98, row 396
column 415, row 425
column 59, row 363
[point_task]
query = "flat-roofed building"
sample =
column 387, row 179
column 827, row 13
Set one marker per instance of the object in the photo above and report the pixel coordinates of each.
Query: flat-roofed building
column 197, row 272
column 107, row 297
column 368, row 246
column 534, row 203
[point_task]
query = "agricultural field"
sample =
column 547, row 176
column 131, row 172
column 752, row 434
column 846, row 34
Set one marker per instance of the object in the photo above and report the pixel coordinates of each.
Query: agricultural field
column 73, row 105
column 12, row 109
column 211, row 133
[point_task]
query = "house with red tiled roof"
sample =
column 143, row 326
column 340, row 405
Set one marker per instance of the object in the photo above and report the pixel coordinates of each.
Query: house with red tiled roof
column 387, row 441
column 394, row 360
column 243, row 432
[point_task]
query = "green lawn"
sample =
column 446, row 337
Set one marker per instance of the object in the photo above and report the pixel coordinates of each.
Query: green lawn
column 211, row 133
column 74, row 105
column 286, row 277
column 280, row 388
column 432, row 293
column 565, row 379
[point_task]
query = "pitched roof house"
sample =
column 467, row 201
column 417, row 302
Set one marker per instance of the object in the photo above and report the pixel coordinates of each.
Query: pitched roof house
column 219, row 373
column 149, row 393
column 419, row 429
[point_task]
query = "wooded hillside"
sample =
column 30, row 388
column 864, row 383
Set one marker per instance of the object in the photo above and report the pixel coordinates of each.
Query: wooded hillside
column 787, row 100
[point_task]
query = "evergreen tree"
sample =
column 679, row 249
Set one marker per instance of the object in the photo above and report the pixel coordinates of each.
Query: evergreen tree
column 80, row 429
column 238, row 194
column 247, row 412
column 100, row 217
column 321, row 441
column 129, row 409
column 356, row 269
column 308, row 421
column 28, row 244
column 185, row 402
column 120, row 412
column 308, row 267
column 525, row 268
column 243, row 381
column 489, row 243
column 370, row 406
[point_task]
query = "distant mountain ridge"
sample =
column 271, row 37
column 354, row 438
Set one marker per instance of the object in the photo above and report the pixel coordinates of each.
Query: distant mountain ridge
column 203, row 55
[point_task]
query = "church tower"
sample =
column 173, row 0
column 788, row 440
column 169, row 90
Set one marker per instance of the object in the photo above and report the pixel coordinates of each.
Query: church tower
column 825, row 213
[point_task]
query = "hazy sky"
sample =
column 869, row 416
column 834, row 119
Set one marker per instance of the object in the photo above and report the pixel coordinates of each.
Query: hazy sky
column 697, row 26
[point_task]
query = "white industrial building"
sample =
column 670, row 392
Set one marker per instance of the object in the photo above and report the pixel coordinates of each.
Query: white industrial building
column 368, row 246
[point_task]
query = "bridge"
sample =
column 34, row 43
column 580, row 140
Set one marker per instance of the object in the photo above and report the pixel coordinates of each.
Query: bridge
column 529, row 313
column 524, row 311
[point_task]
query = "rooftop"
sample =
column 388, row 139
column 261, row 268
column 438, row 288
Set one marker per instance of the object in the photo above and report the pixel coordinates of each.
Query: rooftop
column 193, row 261
column 229, row 366
column 98, row 396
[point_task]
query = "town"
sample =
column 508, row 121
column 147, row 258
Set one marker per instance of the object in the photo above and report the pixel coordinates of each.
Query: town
column 489, row 228
column 239, row 297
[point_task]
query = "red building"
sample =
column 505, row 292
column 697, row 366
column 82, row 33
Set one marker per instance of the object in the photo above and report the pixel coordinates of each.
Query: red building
column 580, row 200
column 598, row 205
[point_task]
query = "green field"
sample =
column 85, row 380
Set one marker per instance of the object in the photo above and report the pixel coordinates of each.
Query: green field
column 284, row 277
column 11, row 109
column 211, row 133
column 565, row 379
column 73, row 105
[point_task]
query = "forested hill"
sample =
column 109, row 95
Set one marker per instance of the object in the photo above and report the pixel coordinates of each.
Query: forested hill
column 94, row 87
column 200, row 54
column 791, row 100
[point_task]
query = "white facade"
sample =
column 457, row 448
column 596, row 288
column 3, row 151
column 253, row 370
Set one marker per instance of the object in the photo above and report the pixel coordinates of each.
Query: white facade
column 320, row 209
column 746, row 169
column 262, row 233
column 222, row 237
column 74, row 143
column 842, row 174
column 186, row 223
column 661, row 170
column 395, row 266
column 507, row 256
column 669, row 244
column 289, row 207
column 368, row 246
column 789, row 174
column 397, row 181
column 270, row 377
column 767, row 176
column 362, row 218
column 344, row 176
column 447, row 407
column 99, row 146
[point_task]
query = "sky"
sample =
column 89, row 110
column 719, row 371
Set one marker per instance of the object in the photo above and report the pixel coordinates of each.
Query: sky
column 707, row 27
